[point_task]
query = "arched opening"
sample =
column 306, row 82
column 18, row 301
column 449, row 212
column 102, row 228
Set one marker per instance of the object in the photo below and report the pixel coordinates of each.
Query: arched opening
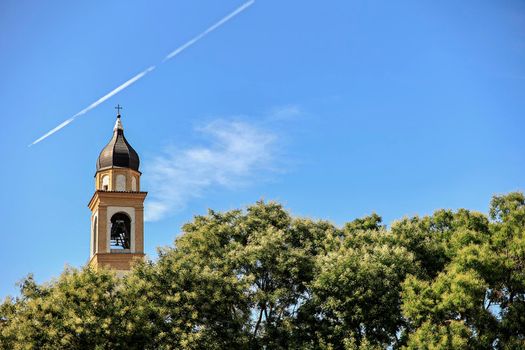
column 121, row 182
column 105, row 183
column 95, row 234
column 133, row 183
column 120, row 231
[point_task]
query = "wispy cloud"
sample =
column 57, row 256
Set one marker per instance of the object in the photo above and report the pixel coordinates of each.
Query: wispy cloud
column 237, row 154
column 287, row 112
column 146, row 71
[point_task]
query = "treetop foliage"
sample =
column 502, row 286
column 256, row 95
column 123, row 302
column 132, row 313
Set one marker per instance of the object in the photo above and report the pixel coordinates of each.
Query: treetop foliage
column 262, row 279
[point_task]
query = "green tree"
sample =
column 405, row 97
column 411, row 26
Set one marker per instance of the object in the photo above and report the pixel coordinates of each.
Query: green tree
column 476, row 302
column 356, row 290
column 262, row 279
column 80, row 310
column 234, row 279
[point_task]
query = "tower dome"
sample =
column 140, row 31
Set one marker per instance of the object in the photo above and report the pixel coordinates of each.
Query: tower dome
column 118, row 152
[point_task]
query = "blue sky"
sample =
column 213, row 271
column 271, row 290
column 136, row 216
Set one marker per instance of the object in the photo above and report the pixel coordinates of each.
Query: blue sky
column 336, row 109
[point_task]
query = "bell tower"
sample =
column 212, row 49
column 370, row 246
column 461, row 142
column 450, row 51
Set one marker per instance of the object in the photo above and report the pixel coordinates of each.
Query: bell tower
column 117, row 206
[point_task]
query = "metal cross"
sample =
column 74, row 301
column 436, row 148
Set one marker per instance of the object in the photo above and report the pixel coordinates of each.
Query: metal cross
column 118, row 108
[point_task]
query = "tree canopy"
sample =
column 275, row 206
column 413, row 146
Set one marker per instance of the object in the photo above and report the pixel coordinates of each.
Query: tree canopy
column 261, row 278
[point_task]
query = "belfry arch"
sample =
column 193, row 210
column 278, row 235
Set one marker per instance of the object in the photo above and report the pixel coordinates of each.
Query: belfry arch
column 120, row 236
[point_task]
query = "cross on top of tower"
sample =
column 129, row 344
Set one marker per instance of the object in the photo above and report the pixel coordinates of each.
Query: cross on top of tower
column 118, row 108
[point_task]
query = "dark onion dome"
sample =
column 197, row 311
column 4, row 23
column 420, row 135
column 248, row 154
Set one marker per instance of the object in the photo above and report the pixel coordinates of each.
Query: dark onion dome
column 118, row 152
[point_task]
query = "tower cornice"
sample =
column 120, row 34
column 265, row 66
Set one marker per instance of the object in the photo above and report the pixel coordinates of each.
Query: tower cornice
column 100, row 197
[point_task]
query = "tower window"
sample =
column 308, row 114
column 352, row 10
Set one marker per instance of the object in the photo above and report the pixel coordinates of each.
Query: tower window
column 120, row 231
column 133, row 183
column 121, row 182
column 105, row 182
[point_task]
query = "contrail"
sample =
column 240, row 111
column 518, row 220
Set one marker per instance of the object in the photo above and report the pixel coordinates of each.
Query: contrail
column 94, row 104
column 209, row 30
column 146, row 71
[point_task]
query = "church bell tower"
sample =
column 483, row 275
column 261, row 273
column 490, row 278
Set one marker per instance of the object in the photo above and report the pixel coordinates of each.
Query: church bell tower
column 117, row 206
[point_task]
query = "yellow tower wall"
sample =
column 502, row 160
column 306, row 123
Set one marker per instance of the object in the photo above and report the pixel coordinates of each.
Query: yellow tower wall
column 99, row 203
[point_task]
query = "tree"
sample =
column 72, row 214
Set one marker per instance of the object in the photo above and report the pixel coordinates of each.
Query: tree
column 80, row 310
column 262, row 279
column 479, row 296
column 241, row 275
column 356, row 290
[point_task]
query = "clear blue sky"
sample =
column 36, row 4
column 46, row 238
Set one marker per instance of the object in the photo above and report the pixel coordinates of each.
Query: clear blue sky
column 335, row 108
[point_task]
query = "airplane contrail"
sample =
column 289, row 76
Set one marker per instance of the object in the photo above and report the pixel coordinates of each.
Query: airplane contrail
column 146, row 71
column 94, row 104
column 209, row 30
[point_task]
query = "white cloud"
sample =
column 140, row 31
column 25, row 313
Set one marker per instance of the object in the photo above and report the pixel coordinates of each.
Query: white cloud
column 287, row 112
column 237, row 154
